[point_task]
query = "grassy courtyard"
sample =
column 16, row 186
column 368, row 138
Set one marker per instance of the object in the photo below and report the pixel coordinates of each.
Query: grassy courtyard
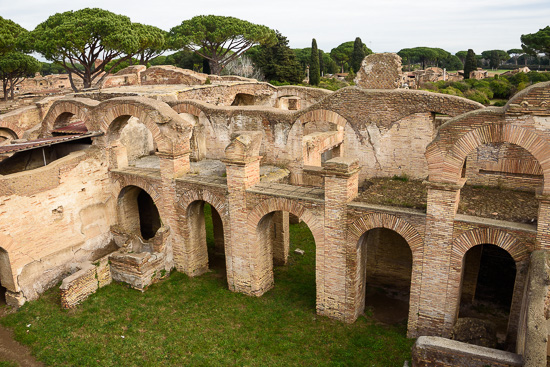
column 198, row 322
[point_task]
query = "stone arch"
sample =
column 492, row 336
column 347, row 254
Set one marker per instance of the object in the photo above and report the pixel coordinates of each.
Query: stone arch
column 323, row 115
column 195, row 262
column 189, row 107
column 120, row 183
column 291, row 206
column 445, row 163
column 7, row 134
column 416, row 243
column 11, row 126
column 389, row 221
column 170, row 132
column 478, row 236
column 257, row 226
column 220, row 204
column 126, row 204
column 79, row 107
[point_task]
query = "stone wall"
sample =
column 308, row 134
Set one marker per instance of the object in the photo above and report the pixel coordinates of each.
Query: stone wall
column 379, row 71
column 533, row 333
column 65, row 219
column 80, row 285
column 430, row 351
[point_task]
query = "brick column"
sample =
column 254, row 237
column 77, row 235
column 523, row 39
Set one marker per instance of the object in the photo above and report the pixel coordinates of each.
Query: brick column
column 334, row 296
column 117, row 155
column 217, row 227
column 280, row 238
column 242, row 254
column 172, row 167
column 435, row 315
column 543, row 222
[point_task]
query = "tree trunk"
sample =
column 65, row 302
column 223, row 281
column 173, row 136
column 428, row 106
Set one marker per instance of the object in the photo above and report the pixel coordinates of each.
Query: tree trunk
column 5, row 90
column 72, row 82
column 215, row 68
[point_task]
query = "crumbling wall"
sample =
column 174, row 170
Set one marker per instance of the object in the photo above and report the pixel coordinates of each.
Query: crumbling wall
column 78, row 286
column 505, row 165
column 379, row 71
column 60, row 225
column 432, row 351
column 532, row 338
column 168, row 74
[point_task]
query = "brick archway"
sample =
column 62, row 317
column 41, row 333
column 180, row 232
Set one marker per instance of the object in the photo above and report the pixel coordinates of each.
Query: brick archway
column 79, row 107
column 323, row 115
column 460, row 246
column 122, row 182
column 189, row 107
column 416, row 243
column 282, row 204
column 446, row 154
column 188, row 254
column 170, row 132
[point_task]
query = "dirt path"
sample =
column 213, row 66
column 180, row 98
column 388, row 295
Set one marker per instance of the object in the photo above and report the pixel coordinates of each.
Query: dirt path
column 11, row 350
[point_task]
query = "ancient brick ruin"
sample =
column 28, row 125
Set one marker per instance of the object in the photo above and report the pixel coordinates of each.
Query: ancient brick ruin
column 115, row 185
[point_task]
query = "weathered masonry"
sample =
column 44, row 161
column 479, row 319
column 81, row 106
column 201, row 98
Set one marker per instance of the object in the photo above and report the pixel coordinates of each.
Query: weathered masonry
column 124, row 174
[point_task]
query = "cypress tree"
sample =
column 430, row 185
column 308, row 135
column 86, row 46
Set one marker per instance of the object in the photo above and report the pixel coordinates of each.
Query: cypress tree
column 357, row 55
column 470, row 64
column 314, row 72
column 321, row 63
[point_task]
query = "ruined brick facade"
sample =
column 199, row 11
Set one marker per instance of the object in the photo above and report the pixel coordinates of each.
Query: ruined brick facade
column 88, row 202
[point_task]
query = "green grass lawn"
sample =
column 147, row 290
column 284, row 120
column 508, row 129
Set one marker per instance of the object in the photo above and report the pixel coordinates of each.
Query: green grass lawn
column 199, row 322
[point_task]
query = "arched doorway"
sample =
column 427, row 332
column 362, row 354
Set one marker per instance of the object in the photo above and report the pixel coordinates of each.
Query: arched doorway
column 138, row 213
column 133, row 143
column 385, row 263
column 288, row 253
column 487, row 289
column 206, row 236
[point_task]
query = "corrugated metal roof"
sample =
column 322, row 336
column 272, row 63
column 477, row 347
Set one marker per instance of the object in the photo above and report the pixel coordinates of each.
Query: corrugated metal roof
column 77, row 127
column 38, row 143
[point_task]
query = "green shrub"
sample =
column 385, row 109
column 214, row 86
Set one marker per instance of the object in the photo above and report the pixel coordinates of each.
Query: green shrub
column 501, row 88
column 477, row 96
column 461, row 86
column 486, row 90
column 452, row 91
column 499, row 103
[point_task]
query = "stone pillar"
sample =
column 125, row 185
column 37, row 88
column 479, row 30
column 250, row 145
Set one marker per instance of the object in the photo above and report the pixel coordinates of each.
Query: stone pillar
column 172, row 167
column 281, row 238
column 217, row 227
column 118, row 156
column 242, row 275
column 436, row 310
column 247, row 271
column 543, row 222
column 471, row 272
column 335, row 296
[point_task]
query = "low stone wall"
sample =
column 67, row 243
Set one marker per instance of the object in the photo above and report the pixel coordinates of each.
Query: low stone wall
column 78, row 286
column 139, row 270
column 432, row 351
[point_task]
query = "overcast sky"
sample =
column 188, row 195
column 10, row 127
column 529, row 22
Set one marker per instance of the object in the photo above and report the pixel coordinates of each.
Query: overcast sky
column 383, row 25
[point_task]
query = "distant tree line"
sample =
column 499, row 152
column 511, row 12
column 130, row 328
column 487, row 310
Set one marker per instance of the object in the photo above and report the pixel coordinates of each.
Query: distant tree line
column 91, row 42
